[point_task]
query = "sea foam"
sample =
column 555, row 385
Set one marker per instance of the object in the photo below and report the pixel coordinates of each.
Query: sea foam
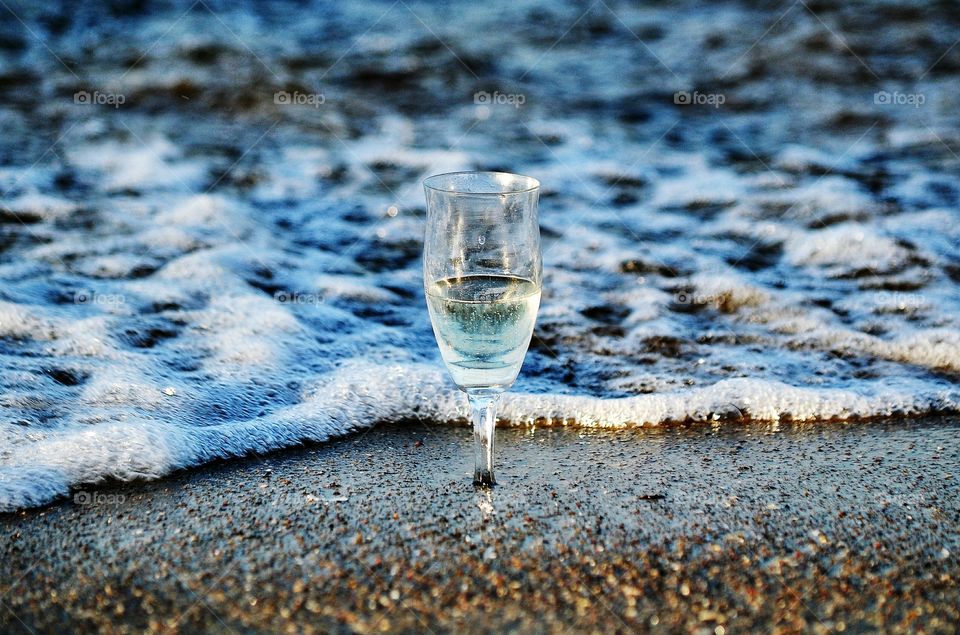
column 208, row 273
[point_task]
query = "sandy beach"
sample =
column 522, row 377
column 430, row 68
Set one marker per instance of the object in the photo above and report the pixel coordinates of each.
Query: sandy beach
column 784, row 528
column 222, row 403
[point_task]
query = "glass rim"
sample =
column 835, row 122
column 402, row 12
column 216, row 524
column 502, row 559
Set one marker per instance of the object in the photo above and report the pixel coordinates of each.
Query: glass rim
column 532, row 183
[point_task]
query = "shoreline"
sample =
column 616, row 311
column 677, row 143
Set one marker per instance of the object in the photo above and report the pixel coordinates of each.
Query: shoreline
column 63, row 463
column 784, row 527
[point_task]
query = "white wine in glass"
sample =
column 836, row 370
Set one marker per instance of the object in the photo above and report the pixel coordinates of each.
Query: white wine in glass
column 482, row 276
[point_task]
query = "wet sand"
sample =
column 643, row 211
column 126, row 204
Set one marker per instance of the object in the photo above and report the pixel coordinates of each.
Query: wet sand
column 822, row 528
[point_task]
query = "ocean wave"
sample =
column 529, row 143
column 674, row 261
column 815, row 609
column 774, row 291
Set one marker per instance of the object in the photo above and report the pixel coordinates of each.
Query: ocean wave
column 42, row 467
column 205, row 272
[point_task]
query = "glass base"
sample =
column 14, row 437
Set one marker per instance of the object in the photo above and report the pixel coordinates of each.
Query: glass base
column 483, row 404
column 483, row 478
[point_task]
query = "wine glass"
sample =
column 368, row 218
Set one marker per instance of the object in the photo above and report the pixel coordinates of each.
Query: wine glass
column 482, row 276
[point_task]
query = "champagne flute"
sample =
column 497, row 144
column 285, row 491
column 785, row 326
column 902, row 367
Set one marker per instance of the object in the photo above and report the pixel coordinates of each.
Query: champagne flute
column 482, row 276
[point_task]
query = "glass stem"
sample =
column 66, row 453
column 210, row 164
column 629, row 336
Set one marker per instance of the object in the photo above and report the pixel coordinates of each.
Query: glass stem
column 484, row 408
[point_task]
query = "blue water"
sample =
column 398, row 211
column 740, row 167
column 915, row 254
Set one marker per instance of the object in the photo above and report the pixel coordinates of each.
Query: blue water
column 212, row 218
